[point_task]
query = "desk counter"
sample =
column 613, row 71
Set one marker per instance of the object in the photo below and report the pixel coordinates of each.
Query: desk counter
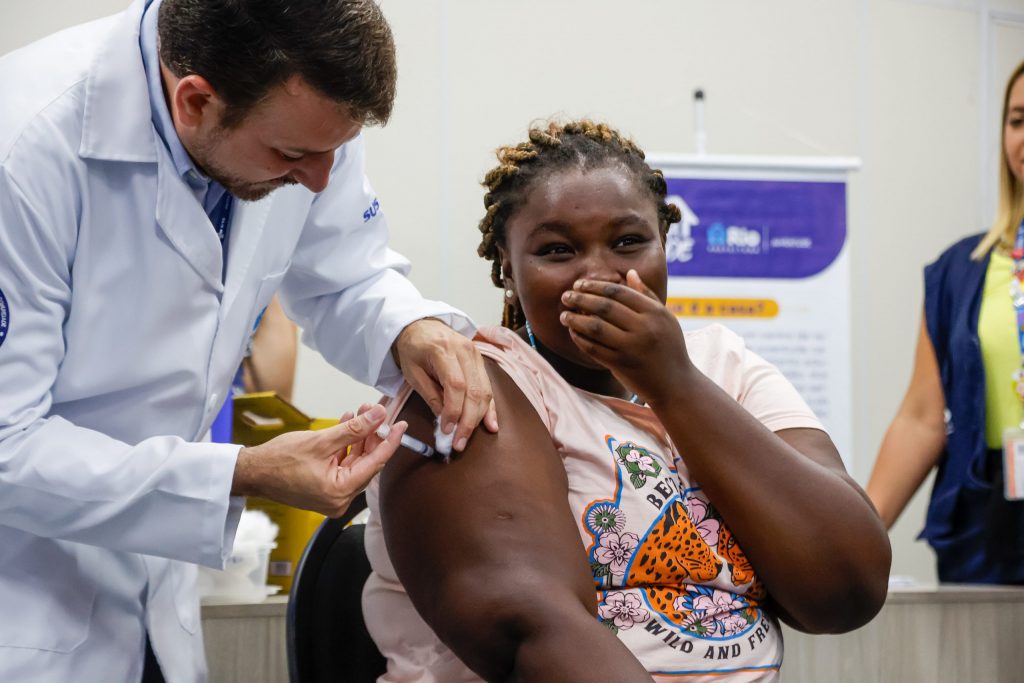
column 944, row 634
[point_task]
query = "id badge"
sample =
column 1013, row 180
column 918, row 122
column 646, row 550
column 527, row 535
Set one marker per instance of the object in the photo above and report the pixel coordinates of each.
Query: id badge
column 1013, row 463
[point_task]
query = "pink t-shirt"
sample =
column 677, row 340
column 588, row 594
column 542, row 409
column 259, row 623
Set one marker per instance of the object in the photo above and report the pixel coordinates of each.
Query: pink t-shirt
column 672, row 583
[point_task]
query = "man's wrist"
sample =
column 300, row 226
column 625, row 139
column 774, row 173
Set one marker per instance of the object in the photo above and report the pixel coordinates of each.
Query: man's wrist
column 242, row 482
column 394, row 346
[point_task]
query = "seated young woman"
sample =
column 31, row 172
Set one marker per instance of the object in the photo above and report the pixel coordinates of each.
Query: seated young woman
column 653, row 500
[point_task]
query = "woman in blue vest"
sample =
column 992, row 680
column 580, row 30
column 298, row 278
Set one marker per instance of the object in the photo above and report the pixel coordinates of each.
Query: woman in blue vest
column 967, row 390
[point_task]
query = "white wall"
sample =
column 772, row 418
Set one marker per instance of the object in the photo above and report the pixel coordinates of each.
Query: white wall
column 910, row 87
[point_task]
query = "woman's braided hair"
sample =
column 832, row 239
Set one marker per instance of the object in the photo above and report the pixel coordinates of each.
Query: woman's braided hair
column 583, row 145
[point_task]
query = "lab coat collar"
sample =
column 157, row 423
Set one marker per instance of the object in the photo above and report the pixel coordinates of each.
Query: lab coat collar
column 118, row 126
column 117, row 123
column 182, row 220
column 185, row 224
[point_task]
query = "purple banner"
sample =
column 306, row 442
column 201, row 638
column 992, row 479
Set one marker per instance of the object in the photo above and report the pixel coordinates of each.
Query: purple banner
column 755, row 228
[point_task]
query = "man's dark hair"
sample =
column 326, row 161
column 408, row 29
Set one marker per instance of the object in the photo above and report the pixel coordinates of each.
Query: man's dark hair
column 342, row 48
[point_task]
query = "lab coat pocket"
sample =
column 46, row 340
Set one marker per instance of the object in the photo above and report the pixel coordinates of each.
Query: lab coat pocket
column 47, row 602
column 186, row 594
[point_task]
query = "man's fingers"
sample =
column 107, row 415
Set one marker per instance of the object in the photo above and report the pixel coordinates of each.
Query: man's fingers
column 428, row 389
column 369, row 443
column 450, row 375
column 354, row 429
column 446, row 369
column 356, row 449
column 491, row 418
column 477, row 400
column 357, row 472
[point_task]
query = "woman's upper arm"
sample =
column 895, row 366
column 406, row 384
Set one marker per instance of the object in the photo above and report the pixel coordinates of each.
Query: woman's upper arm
column 500, row 507
column 925, row 401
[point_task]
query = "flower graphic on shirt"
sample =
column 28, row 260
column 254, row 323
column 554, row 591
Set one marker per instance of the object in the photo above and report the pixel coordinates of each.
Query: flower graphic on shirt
column 604, row 518
column 644, row 461
column 639, row 462
column 614, row 551
column 700, row 624
column 714, row 613
column 733, row 624
column 701, row 514
column 622, row 611
column 717, row 603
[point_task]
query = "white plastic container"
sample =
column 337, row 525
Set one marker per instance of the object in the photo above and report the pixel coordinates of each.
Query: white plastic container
column 244, row 578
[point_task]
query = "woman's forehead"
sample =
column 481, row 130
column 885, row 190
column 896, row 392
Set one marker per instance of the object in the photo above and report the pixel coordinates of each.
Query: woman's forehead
column 574, row 192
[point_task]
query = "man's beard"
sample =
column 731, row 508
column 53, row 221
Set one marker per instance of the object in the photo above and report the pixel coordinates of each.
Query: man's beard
column 238, row 188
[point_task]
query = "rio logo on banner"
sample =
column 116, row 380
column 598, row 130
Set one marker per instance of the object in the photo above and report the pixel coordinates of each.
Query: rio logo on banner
column 755, row 228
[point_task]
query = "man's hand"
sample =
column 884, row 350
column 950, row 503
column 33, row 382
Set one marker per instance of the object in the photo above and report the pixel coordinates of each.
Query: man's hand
column 310, row 469
column 446, row 369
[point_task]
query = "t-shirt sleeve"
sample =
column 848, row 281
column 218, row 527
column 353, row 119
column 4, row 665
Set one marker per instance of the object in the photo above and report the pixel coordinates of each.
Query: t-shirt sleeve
column 515, row 361
column 755, row 383
column 772, row 399
column 522, row 370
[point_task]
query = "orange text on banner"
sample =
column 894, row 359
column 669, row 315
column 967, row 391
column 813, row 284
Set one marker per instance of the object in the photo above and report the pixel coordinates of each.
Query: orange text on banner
column 685, row 307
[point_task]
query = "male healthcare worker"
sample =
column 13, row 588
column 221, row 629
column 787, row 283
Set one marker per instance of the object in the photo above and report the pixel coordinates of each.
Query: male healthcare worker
column 135, row 153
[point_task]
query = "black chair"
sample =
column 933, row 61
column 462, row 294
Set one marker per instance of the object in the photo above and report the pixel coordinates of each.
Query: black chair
column 326, row 638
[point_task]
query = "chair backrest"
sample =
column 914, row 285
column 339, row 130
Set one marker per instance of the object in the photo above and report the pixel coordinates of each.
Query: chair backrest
column 326, row 637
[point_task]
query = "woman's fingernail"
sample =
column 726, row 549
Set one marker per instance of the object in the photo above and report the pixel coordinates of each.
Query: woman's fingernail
column 461, row 444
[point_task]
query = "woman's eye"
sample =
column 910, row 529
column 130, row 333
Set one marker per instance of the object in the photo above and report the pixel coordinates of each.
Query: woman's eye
column 554, row 250
column 629, row 241
column 290, row 157
column 1015, row 123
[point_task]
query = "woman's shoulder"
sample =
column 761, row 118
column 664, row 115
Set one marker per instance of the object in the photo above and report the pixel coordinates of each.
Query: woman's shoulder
column 718, row 352
column 954, row 275
column 711, row 341
column 500, row 342
column 530, row 373
column 957, row 252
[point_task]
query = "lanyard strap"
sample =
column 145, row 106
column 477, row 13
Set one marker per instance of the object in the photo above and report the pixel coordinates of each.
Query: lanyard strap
column 1017, row 296
column 220, row 216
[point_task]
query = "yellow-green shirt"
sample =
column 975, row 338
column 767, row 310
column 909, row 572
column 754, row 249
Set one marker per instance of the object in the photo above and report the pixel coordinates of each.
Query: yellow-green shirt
column 1000, row 350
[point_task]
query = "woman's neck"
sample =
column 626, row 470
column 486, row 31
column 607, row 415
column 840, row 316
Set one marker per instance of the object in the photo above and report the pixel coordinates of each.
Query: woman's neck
column 595, row 380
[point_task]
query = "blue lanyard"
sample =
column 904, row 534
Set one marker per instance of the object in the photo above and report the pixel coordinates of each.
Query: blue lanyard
column 1017, row 296
column 220, row 216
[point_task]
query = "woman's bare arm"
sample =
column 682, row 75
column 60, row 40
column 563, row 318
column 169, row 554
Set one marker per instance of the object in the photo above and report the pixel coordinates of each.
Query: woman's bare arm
column 807, row 528
column 488, row 550
column 915, row 439
column 275, row 347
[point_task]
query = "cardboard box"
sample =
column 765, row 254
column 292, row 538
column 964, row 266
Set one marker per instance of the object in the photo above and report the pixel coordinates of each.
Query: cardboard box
column 257, row 418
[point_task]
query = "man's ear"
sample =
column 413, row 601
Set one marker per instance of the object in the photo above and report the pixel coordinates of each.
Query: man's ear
column 195, row 103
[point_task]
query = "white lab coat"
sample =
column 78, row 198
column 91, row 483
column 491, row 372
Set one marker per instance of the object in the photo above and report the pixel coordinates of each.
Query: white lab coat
column 121, row 344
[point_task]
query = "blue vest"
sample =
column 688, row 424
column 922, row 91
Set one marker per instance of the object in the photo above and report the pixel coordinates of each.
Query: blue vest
column 975, row 532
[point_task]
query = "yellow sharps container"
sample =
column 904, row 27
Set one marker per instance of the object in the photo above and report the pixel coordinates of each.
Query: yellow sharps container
column 258, row 418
